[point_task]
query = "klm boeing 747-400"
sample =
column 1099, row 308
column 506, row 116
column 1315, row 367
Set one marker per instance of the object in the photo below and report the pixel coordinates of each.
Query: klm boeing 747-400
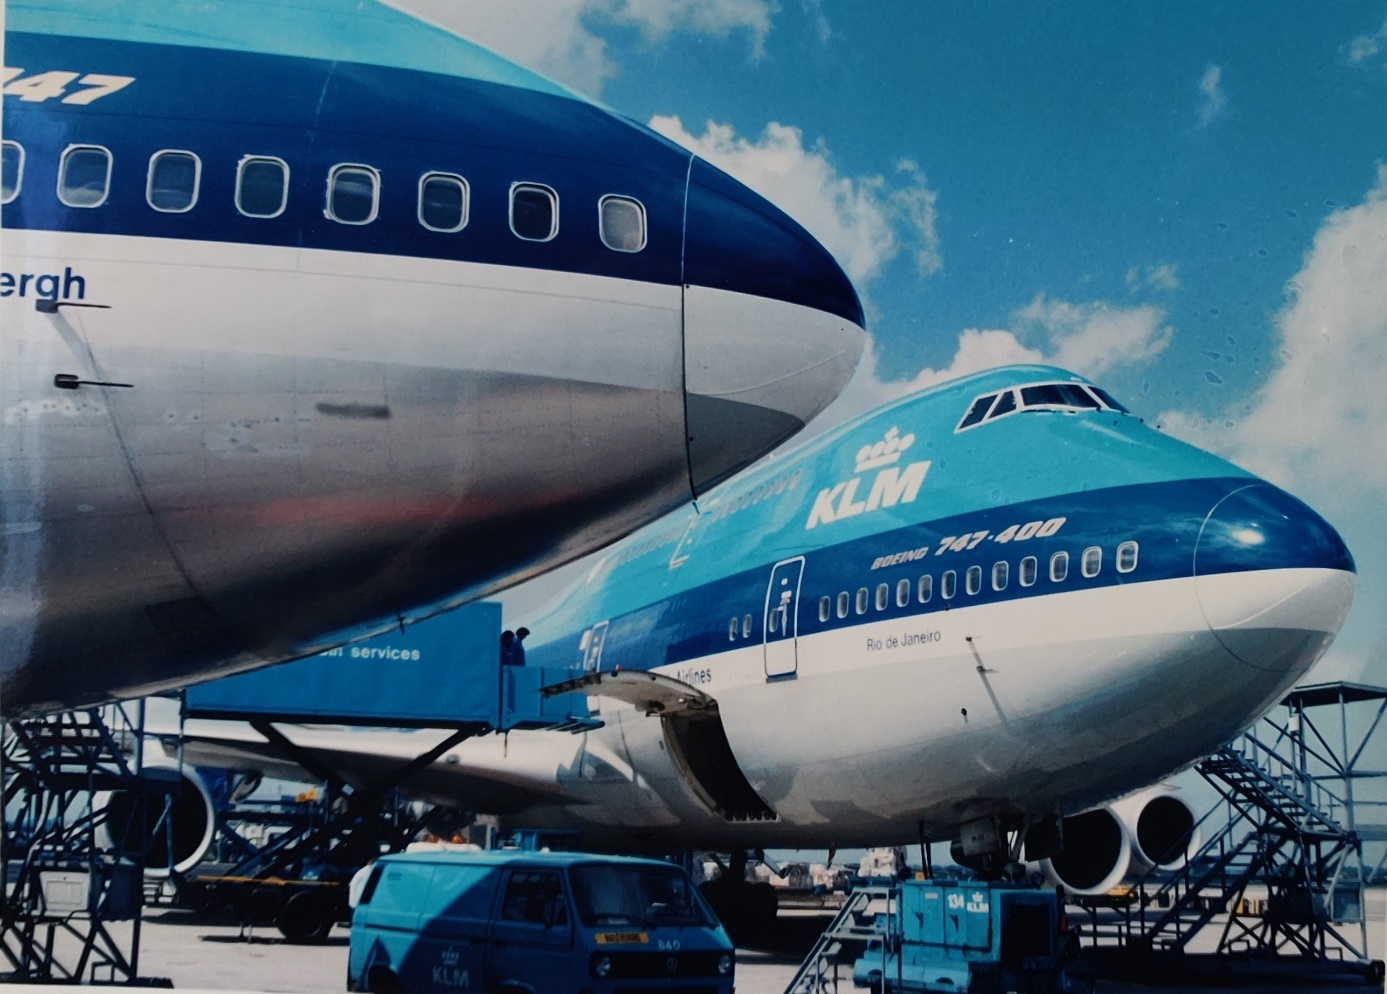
column 322, row 322
column 983, row 608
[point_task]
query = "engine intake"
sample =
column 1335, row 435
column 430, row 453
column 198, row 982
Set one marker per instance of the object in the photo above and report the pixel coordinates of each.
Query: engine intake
column 179, row 841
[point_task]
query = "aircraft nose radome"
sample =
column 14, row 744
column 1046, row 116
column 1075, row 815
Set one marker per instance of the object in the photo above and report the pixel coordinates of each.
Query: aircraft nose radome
column 773, row 328
column 1274, row 579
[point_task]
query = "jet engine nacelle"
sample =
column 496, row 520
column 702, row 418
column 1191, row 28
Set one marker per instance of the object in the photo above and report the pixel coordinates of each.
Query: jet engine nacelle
column 1107, row 845
column 1161, row 827
column 179, row 841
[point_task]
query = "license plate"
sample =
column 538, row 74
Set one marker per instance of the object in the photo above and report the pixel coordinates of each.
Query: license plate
column 622, row 938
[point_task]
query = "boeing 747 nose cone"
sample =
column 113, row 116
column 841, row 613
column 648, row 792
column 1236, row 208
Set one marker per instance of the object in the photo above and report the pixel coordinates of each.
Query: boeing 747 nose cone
column 1274, row 579
column 772, row 326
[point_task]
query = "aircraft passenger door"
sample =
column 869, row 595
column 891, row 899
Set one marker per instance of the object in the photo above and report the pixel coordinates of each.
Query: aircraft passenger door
column 592, row 648
column 781, row 621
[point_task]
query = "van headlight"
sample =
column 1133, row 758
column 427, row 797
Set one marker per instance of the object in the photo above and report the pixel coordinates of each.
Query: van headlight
column 602, row 966
column 724, row 965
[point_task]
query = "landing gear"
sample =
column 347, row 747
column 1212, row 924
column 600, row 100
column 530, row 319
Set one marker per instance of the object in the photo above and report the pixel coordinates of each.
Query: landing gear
column 747, row 910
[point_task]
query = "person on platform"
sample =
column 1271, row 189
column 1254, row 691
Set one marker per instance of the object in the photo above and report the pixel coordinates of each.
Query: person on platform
column 511, row 652
column 520, row 635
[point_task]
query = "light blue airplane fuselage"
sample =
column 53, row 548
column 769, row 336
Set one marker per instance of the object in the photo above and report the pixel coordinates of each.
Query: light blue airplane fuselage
column 933, row 616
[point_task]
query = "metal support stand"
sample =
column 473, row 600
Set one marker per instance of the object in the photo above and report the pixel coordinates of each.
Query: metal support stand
column 73, row 882
column 1281, row 874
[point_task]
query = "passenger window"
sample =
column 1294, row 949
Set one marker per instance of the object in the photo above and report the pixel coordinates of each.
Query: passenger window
column 262, row 186
column 732, row 630
column 843, row 604
column 1092, row 561
column 773, row 620
column 862, row 600
column 902, row 593
column 11, row 170
column 1059, row 566
column 353, row 194
column 746, row 626
column 1126, row 557
column 534, row 212
column 84, row 175
column 973, row 579
column 948, row 584
column 535, row 898
column 1029, row 568
column 1000, row 575
column 622, row 223
column 926, row 589
column 825, row 608
column 173, row 181
column 443, row 202
column 883, row 596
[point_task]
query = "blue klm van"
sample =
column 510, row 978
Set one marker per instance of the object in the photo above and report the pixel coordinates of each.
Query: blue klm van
column 514, row 922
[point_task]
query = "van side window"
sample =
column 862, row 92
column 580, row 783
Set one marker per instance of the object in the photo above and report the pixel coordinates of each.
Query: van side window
column 370, row 889
column 84, row 175
column 535, row 897
column 353, row 194
column 262, row 186
column 460, row 892
column 11, row 170
column 534, row 212
column 443, row 202
column 173, row 181
column 621, row 221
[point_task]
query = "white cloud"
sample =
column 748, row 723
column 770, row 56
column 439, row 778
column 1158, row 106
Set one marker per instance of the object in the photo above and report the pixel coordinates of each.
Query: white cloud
column 1214, row 102
column 1093, row 338
column 1162, row 277
column 865, row 221
column 1320, row 420
column 1363, row 48
column 557, row 37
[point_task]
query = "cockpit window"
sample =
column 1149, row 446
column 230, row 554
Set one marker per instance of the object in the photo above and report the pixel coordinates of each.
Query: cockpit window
column 1107, row 399
column 1068, row 397
column 1059, row 395
column 977, row 412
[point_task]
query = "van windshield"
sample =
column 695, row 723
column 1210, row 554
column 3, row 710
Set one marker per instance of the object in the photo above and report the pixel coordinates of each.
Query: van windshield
column 636, row 895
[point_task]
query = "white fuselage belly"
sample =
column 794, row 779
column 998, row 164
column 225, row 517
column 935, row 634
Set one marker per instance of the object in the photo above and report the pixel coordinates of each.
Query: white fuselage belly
column 301, row 413
column 1071, row 699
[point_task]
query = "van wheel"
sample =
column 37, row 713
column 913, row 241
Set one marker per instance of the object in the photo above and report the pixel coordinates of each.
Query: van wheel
column 382, row 981
column 306, row 918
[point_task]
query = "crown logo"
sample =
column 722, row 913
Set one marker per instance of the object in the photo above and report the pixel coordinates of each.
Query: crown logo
column 885, row 452
column 450, row 956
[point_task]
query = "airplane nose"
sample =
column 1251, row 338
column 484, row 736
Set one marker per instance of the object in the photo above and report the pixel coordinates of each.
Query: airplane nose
column 1273, row 578
column 772, row 326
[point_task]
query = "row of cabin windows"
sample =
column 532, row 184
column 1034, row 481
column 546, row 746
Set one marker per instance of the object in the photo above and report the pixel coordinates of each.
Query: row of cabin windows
column 353, row 193
column 922, row 590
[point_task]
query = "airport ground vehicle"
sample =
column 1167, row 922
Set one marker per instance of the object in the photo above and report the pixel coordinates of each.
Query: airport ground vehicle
column 525, row 921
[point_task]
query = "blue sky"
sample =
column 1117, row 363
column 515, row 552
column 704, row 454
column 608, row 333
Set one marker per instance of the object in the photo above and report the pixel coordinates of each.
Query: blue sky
column 1184, row 200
